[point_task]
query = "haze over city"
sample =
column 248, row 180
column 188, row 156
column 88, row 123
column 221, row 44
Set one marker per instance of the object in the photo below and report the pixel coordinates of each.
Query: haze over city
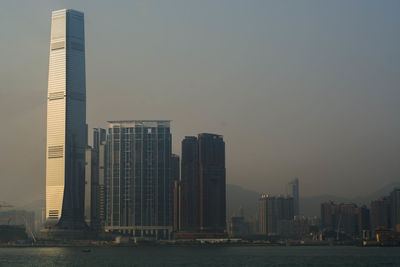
column 299, row 89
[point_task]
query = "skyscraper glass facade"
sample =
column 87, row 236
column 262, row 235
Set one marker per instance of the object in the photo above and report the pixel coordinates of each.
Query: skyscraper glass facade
column 66, row 121
column 138, row 178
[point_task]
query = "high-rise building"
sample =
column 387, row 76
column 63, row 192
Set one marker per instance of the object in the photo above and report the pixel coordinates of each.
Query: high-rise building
column 348, row 219
column 380, row 213
column 66, row 121
column 99, row 137
column 175, row 177
column 138, row 178
column 292, row 190
column 101, row 150
column 90, row 178
column 94, row 181
column 395, row 205
column 272, row 211
column 190, row 185
column 328, row 215
column 203, row 178
column 344, row 219
column 212, row 180
column 364, row 223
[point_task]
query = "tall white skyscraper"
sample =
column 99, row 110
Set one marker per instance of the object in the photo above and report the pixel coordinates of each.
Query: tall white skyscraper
column 66, row 121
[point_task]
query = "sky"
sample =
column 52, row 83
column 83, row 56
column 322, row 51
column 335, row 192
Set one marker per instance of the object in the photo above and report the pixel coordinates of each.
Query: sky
column 306, row 89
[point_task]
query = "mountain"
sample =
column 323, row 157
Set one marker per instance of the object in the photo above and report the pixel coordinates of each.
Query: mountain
column 237, row 196
column 384, row 191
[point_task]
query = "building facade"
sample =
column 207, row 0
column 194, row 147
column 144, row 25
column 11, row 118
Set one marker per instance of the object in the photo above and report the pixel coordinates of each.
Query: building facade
column 90, row 190
column 212, row 180
column 138, row 178
column 380, row 213
column 395, row 205
column 66, row 121
column 273, row 212
column 203, row 181
column 175, row 177
column 94, row 181
column 190, row 185
column 344, row 220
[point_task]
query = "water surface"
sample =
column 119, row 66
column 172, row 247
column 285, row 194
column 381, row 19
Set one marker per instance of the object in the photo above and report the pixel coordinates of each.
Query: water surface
column 201, row 256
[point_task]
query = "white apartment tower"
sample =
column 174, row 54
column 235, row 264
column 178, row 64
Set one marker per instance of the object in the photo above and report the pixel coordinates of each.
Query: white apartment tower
column 66, row 121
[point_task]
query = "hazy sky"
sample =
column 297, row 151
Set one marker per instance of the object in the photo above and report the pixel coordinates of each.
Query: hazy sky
column 297, row 88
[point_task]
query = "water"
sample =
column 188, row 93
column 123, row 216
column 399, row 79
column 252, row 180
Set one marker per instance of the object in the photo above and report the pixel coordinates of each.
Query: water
column 201, row 256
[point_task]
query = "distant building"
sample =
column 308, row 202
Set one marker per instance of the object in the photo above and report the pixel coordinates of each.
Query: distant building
column 100, row 148
column 292, row 190
column 203, row 178
column 364, row 221
column 395, row 205
column 99, row 137
column 328, row 215
column 175, row 177
column 94, row 180
column 90, row 202
column 348, row 218
column 238, row 227
column 381, row 213
column 138, row 179
column 345, row 220
column 23, row 218
column 304, row 228
column 272, row 211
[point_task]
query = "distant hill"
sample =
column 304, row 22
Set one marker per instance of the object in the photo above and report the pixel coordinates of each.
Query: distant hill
column 384, row 191
column 35, row 206
column 237, row 196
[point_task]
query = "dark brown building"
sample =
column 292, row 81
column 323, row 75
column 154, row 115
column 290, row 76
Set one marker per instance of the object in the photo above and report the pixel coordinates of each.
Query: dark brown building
column 203, row 181
column 190, row 186
column 212, row 183
column 380, row 213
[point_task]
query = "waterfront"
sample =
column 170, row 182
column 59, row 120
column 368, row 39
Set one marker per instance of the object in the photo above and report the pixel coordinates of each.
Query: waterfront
column 202, row 256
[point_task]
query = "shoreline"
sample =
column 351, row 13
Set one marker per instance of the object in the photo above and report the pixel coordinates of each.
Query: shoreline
column 132, row 245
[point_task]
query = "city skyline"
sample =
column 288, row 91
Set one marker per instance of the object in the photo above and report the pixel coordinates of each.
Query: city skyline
column 340, row 149
column 210, row 133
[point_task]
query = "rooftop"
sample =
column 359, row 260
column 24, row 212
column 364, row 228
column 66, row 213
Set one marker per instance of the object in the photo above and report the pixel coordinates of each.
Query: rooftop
column 133, row 123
